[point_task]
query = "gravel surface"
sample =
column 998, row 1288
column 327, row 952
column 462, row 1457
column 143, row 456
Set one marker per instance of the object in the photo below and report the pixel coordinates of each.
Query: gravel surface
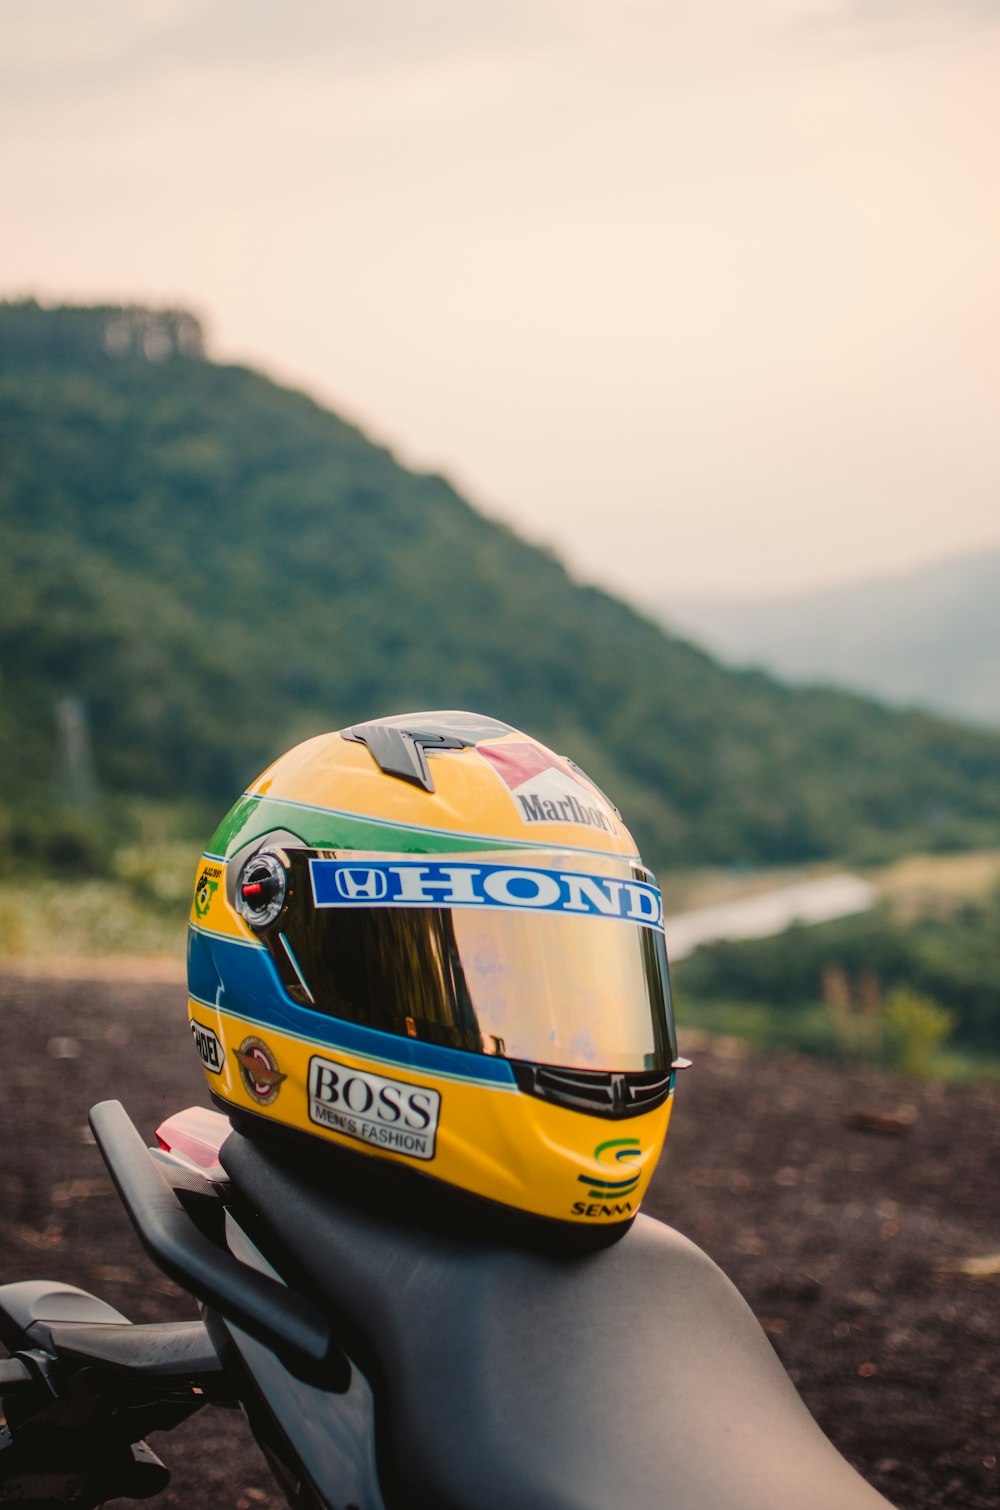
column 858, row 1214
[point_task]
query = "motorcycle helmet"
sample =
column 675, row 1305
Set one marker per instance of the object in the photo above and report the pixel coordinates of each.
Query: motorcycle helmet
column 430, row 941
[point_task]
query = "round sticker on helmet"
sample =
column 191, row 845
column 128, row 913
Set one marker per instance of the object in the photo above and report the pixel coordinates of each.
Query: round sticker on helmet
column 259, row 1071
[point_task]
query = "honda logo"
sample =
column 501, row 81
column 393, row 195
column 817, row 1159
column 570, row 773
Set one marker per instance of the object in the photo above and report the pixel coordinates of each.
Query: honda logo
column 361, row 885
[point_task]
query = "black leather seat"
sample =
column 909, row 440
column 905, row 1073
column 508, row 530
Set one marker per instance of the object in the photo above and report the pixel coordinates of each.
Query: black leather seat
column 508, row 1379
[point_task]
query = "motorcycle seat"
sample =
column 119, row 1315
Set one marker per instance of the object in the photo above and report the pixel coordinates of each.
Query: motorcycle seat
column 509, row 1376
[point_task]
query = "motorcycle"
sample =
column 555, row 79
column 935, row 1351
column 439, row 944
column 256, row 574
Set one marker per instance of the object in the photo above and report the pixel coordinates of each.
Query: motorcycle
column 399, row 1356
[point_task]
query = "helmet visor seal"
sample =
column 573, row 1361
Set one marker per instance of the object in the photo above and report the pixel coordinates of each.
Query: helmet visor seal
column 540, row 961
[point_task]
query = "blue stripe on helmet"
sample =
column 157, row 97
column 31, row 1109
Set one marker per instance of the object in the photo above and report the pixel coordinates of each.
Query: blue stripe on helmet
column 224, row 973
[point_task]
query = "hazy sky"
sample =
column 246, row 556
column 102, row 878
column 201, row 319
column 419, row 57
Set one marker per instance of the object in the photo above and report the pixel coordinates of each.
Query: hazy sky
column 704, row 293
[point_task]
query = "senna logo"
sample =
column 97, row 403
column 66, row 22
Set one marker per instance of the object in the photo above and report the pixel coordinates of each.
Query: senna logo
column 389, row 1114
column 608, row 1197
column 618, row 1209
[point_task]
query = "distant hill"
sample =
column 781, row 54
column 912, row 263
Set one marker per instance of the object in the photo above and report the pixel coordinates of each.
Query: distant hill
column 930, row 638
column 210, row 567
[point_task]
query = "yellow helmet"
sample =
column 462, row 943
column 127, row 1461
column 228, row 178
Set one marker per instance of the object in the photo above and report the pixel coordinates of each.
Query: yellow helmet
column 430, row 940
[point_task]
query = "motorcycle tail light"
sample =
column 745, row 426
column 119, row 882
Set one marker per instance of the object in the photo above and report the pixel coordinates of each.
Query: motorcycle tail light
column 196, row 1135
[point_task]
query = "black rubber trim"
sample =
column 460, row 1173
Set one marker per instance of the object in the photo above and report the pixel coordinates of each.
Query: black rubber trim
column 266, row 1309
column 429, row 1202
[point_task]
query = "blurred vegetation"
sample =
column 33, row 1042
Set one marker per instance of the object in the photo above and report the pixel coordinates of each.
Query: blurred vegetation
column 920, row 994
column 916, row 1028
column 94, row 916
column 200, row 568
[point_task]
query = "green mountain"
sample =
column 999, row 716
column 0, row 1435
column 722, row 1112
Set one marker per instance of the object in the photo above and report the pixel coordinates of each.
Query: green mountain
column 927, row 638
column 212, row 567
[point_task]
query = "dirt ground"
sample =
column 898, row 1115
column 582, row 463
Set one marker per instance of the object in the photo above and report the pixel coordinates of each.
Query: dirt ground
column 862, row 1251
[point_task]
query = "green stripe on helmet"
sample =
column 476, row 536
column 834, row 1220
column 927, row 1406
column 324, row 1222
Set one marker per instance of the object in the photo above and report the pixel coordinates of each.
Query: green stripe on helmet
column 319, row 828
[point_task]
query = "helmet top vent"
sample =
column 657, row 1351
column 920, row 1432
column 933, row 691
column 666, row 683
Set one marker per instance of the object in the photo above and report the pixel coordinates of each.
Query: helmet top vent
column 399, row 745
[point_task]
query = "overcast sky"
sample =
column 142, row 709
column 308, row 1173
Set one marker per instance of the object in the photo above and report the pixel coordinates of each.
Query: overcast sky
column 703, row 293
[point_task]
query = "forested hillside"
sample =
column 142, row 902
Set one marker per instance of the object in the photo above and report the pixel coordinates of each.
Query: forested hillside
column 213, row 567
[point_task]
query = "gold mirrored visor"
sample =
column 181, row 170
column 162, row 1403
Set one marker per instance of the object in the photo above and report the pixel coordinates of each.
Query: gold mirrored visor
column 554, row 958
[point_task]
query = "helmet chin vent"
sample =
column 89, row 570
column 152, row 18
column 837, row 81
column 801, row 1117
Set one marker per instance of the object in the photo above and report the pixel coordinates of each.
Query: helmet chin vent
column 602, row 1093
